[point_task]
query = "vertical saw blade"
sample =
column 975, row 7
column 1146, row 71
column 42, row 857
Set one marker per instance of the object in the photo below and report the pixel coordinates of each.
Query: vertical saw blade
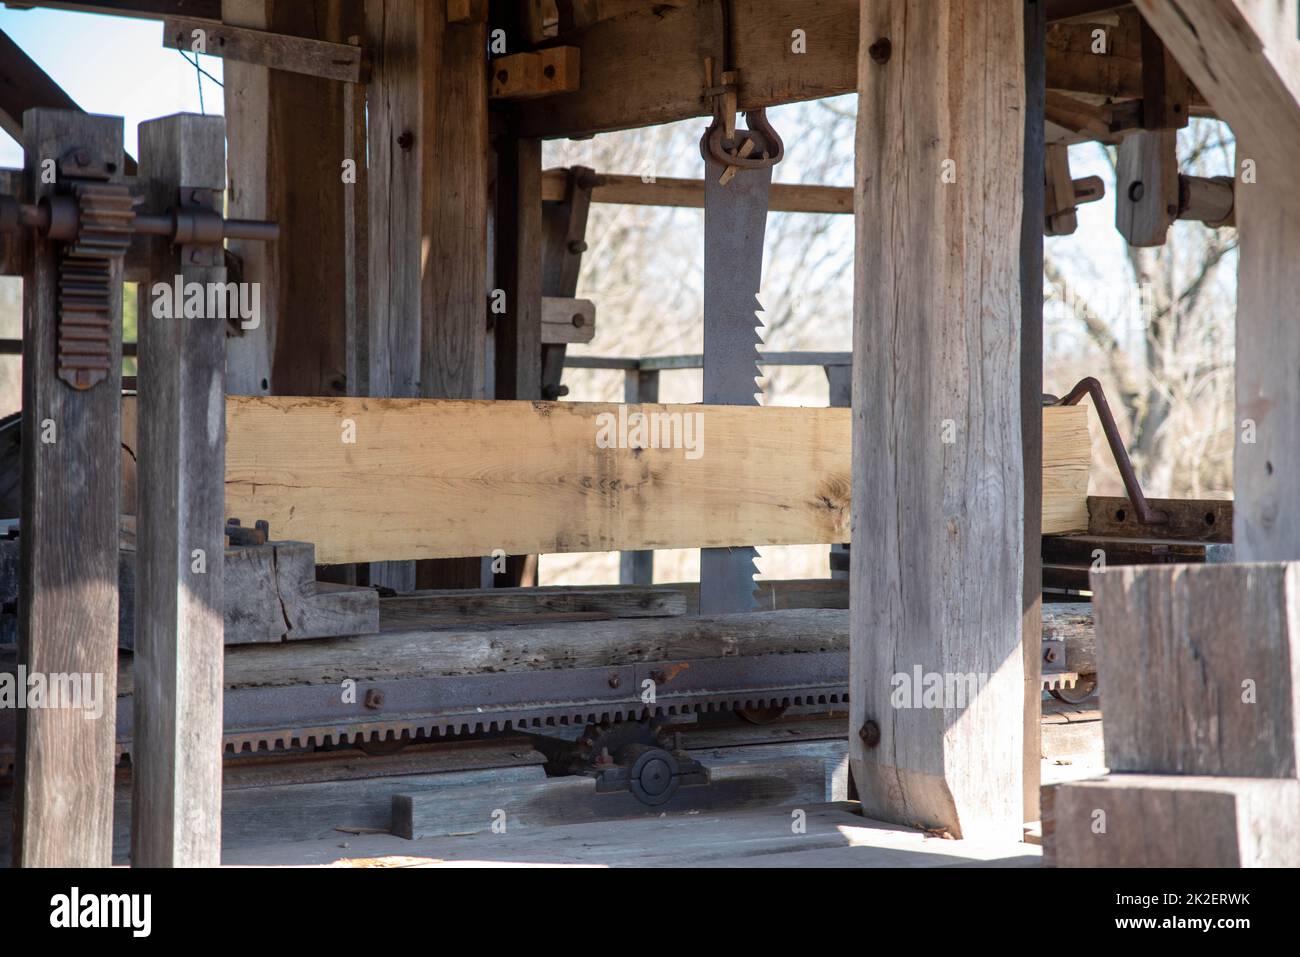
column 735, row 220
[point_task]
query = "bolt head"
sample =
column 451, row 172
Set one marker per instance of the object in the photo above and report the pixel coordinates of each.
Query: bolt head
column 870, row 734
column 1136, row 191
column 881, row 50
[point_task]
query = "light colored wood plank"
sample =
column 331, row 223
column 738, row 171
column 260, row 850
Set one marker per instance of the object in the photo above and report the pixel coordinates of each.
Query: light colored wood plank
column 437, row 479
column 937, row 457
column 1153, row 820
column 176, row 801
column 1065, row 469
column 1200, row 665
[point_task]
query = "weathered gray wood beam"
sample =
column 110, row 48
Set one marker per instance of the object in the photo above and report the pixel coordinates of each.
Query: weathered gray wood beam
column 68, row 614
column 938, row 472
column 292, row 54
column 176, row 802
column 1244, row 55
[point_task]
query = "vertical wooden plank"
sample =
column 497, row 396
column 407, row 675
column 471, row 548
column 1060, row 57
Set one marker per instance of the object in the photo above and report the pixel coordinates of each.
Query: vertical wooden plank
column 176, row 780
column 938, row 475
column 63, row 786
column 518, row 261
column 839, row 380
column 1031, row 393
column 454, row 279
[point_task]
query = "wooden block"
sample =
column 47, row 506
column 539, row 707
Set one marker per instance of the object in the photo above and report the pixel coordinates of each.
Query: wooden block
column 1067, row 455
column 1146, row 187
column 1147, row 820
column 522, row 76
column 467, row 11
column 567, row 320
column 616, row 601
column 1202, row 520
column 1201, row 668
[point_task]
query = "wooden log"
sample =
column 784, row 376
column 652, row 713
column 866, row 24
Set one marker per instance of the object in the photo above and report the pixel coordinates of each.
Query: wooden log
column 291, row 54
column 937, row 416
column 68, row 613
column 1200, row 665
column 176, row 799
column 1152, row 820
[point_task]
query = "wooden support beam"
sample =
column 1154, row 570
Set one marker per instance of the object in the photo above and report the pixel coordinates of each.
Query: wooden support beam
column 1200, row 664
column 176, row 799
column 63, row 783
column 11, row 247
column 668, row 191
column 1165, row 87
column 637, row 566
column 145, row 9
column 25, row 86
column 285, row 52
column 936, row 400
column 467, row 11
column 1245, row 56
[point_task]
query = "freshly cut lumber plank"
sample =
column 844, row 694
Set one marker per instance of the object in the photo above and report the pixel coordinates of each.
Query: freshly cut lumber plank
column 1153, row 820
column 452, row 479
column 447, row 479
column 1201, row 668
column 1067, row 452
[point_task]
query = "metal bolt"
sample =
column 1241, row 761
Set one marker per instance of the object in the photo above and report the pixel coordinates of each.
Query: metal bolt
column 1049, row 655
column 579, row 320
column 406, row 140
column 881, row 50
column 615, row 681
column 870, row 734
column 577, row 246
column 1136, row 191
column 374, row 699
column 82, row 157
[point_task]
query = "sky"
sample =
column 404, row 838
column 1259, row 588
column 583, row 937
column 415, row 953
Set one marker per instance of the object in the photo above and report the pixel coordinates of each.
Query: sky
column 110, row 65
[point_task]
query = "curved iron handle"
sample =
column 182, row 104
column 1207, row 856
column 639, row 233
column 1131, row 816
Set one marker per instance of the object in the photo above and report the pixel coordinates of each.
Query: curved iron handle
column 1146, row 515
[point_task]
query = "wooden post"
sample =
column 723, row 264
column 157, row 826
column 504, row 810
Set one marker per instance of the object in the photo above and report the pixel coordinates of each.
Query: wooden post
column 840, row 396
column 176, row 799
column 1244, row 56
column 63, row 787
column 1031, row 393
column 938, row 475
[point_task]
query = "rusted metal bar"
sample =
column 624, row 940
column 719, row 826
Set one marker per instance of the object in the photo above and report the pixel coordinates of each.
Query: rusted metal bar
column 1091, row 387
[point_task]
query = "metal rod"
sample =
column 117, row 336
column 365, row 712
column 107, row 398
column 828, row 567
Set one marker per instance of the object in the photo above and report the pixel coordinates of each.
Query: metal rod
column 1091, row 387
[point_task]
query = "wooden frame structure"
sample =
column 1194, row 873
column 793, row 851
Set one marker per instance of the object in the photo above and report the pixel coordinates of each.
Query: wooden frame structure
column 419, row 242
